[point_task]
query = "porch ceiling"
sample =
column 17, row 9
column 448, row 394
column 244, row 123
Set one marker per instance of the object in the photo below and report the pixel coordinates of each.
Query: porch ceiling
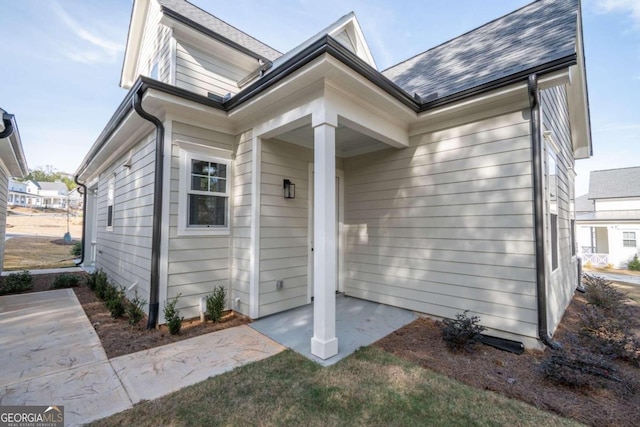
column 349, row 142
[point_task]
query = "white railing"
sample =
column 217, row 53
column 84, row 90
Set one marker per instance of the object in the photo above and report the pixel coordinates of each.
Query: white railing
column 595, row 259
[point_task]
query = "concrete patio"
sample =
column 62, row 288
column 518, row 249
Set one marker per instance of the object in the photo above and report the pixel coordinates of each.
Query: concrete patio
column 358, row 323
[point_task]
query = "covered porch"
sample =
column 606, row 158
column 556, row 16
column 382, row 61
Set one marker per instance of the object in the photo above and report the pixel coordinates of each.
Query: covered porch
column 299, row 186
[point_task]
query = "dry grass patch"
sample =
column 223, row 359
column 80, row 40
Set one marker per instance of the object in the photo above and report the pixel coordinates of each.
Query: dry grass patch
column 32, row 253
column 288, row 389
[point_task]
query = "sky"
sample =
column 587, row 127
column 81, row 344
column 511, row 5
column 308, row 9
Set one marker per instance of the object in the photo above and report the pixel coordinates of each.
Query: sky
column 62, row 59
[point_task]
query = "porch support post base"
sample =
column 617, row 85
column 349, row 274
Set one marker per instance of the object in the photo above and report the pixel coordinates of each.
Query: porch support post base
column 324, row 350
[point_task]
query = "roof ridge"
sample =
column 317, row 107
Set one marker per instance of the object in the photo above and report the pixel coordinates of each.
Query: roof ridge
column 616, row 169
column 462, row 35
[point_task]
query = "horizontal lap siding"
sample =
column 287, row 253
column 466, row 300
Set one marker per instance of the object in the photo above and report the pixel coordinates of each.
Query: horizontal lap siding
column 241, row 241
column 4, row 189
column 202, row 72
column 446, row 225
column 562, row 282
column 125, row 253
column 197, row 264
column 283, row 227
column 156, row 43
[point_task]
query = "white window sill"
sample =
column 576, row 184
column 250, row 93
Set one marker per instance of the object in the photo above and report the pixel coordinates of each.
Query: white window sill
column 203, row 231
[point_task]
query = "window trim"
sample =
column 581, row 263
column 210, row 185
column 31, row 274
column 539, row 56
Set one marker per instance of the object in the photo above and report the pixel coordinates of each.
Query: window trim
column 635, row 239
column 111, row 199
column 552, row 206
column 188, row 152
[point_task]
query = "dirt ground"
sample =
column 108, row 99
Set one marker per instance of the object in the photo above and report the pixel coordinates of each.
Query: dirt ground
column 36, row 223
column 118, row 337
column 520, row 376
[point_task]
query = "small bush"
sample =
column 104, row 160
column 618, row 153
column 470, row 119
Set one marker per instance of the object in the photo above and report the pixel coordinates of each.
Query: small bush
column 602, row 293
column 577, row 370
column 172, row 316
column 76, row 249
column 134, row 309
column 634, row 264
column 610, row 334
column 16, row 282
column 215, row 303
column 65, row 280
column 461, row 333
column 116, row 302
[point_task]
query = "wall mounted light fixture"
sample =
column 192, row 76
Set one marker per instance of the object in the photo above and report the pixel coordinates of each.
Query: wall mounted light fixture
column 289, row 189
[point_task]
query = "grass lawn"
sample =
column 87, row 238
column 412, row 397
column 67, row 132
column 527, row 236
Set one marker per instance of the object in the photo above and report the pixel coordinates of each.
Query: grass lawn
column 371, row 387
column 632, row 291
column 36, row 253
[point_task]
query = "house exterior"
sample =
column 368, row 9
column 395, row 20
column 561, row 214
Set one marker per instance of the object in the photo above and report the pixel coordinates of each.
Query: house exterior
column 442, row 184
column 54, row 195
column 23, row 193
column 608, row 218
column 12, row 163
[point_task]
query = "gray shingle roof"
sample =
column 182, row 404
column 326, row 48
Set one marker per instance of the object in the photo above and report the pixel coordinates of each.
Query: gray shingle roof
column 220, row 27
column 59, row 187
column 614, row 183
column 583, row 204
column 539, row 33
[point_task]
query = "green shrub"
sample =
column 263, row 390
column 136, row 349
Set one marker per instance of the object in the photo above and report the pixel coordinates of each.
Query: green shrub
column 634, row 264
column 172, row 315
column 16, row 282
column 102, row 286
column 76, row 249
column 610, row 333
column 601, row 293
column 215, row 303
column 65, row 280
column 461, row 333
column 134, row 309
column 116, row 302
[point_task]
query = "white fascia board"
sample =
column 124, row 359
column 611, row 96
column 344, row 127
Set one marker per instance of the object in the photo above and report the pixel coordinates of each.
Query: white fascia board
column 134, row 40
column 362, row 48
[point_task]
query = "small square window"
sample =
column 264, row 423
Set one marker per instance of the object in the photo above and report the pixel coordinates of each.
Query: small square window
column 629, row 239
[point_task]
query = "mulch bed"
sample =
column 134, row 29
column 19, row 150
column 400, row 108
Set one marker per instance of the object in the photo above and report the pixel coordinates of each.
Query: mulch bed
column 520, row 376
column 118, row 338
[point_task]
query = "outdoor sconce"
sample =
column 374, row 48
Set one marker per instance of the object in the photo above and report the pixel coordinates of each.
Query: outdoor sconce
column 289, row 189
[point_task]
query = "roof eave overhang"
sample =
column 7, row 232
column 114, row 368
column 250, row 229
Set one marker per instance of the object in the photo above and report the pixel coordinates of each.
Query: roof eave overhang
column 126, row 118
column 139, row 12
column 12, row 154
column 578, row 99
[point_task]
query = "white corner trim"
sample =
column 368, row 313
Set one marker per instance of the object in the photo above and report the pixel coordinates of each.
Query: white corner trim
column 254, row 258
column 173, row 57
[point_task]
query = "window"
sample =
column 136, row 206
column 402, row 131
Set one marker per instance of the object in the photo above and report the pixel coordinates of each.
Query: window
column 110, row 198
column 554, row 241
column 629, row 239
column 552, row 183
column 204, row 201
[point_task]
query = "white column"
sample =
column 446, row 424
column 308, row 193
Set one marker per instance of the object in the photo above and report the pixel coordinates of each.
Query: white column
column 324, row 343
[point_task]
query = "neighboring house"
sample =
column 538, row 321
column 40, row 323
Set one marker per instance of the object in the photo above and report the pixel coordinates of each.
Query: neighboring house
column 12, row 163
column 442, row 184
column 54, row 194
column 23, row 193
column 608, row 218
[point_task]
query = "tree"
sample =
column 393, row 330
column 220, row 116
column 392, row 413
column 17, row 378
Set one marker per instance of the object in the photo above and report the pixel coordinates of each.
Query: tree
column 41, row 175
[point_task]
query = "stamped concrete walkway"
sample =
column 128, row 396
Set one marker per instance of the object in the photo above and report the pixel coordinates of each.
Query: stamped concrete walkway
column 51, row 355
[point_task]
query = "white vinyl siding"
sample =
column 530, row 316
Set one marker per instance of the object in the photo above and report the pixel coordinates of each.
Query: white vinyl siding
column 4, row 185
column 197, row 263
column 562, row 281
column 125, row 253
column 446, row 225
column 156, row 46
column 205, row 73
column 283, row 227
column 241, row 223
